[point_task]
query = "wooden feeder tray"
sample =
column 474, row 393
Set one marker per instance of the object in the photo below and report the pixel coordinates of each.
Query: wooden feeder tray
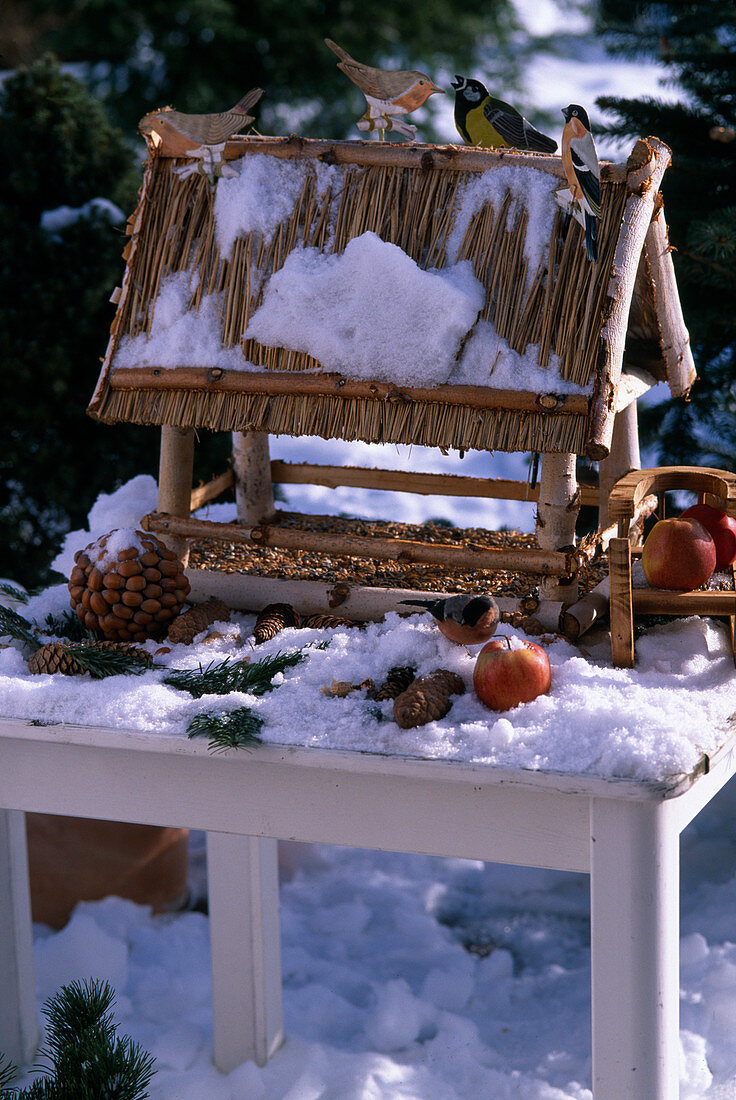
column 714, row 487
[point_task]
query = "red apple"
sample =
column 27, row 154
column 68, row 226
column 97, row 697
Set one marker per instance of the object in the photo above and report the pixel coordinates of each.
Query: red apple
column 510, row 671
column 720, row 527
column 678, row 553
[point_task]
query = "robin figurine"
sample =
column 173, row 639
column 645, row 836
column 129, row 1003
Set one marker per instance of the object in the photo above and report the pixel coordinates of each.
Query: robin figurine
column 580, row 161
column 492, row 124
column 467, row 620
column 200, row 136
column 388, row 92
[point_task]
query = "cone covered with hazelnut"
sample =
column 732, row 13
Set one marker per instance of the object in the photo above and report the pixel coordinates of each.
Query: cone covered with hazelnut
column 127, row 586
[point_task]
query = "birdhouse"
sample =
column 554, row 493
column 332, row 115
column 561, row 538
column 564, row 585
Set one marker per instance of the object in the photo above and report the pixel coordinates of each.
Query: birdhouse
column 415, row 294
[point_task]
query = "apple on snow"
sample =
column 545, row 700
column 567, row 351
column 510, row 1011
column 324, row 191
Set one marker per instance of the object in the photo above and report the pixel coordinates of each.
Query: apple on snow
column 509, row 671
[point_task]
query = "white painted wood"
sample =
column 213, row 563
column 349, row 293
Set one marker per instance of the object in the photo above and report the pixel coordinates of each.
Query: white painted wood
column 19, row 1029
column 252, row 470
column 245, row 944
column 634, row 950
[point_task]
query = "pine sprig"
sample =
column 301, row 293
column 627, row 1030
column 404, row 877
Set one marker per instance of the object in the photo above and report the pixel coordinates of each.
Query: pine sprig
column 233, row 729
column 102, row 661
column 14, row 625
column 21, row 596
column 86, row 1060
column 68, row 626
column 228, row 675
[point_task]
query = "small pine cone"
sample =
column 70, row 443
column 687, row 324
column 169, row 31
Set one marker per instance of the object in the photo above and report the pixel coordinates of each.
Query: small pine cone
column 449, row 682
column 397, row 680
column 325, row 622
column 190, row 623
column 274, row 618
column 422, row 702
column 127, row 586
column 57, row 657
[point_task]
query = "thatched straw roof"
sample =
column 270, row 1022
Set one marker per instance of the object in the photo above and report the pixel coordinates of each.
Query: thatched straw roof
column 554, row 318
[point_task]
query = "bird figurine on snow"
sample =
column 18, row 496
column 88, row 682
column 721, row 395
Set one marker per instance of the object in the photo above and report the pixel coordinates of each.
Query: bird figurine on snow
column 492, row 124
column 203, row 137
column 388, row 92
column 580, row 161
column 467, row 620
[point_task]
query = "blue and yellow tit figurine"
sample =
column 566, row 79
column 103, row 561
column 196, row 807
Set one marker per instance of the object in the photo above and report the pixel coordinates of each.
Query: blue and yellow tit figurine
column 580, row 161
column 482, row 120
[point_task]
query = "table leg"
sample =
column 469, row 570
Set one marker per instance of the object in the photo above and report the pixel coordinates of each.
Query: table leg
column 242, row 874
column 18, row 1013
column 635, row 950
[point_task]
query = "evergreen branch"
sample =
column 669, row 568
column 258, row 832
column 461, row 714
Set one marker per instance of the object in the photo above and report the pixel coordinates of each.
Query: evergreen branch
column 8, row 1073
column 16, row 626
column 22, row 597
column 101, row 661
column 718, row 269
column 86, row 1059
column 227, row 730
column 229, row 675
column 67, row 625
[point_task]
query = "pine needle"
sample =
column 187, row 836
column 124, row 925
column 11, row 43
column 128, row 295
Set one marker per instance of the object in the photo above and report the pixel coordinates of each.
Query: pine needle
column 15, row 594
column 233, row 729
column 229, row 675
column 68, row 626
column 100, row 662
column 13, row 625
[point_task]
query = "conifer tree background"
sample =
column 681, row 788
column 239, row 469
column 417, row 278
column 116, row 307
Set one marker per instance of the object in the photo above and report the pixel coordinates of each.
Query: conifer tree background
column 697, row 42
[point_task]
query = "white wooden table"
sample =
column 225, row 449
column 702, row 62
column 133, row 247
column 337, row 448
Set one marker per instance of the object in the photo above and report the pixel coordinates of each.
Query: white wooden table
column 625, row 834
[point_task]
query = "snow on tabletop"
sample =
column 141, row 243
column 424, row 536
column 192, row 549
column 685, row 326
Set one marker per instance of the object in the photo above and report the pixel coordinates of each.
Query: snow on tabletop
column 370, row 312
column 645, row 723
column 264, row 194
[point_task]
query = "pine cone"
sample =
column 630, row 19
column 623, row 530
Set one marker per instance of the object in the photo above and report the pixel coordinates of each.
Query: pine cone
column 325, row 622
column 127, row 586
column 426, row 699
column 186, row 626
column 272, row 619
column 397, row 680
column 59, row 657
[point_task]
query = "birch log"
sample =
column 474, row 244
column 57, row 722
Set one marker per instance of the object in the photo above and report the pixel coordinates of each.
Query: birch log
column 557, row 512
column 675, row 338
column 623, row 457
column 645, row 168
column 252, row 470
column 175, row 481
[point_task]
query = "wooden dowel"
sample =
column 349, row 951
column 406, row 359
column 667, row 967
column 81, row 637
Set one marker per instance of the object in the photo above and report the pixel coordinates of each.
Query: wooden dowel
column 203, row 494
column 621, row 607
column 175, row 479
column 541, row 562
column 579, row 618
column 454, row 485
column 252, row 471
column 623, row 457
column 661, row 601
column 303, row 383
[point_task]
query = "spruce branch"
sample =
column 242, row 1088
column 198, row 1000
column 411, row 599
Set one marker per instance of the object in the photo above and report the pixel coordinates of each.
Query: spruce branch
column 86, row 1059
column 233, row 729
column 14, row 625
column 67, row 625
column 101, row 661
column 21, row 596
column 229, row 675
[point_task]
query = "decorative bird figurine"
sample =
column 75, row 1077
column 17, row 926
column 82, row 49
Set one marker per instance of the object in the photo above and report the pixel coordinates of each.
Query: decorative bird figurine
column 467, row 620
column 580, row 161
column 201, row 136
column 388, row 92
column 482, row 120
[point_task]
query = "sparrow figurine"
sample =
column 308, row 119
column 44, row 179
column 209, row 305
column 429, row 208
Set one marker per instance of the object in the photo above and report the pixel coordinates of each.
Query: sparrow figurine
column 467, row 620
column 388, row 92
column 580, row 161
column 492, row 124
column 200, row 136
